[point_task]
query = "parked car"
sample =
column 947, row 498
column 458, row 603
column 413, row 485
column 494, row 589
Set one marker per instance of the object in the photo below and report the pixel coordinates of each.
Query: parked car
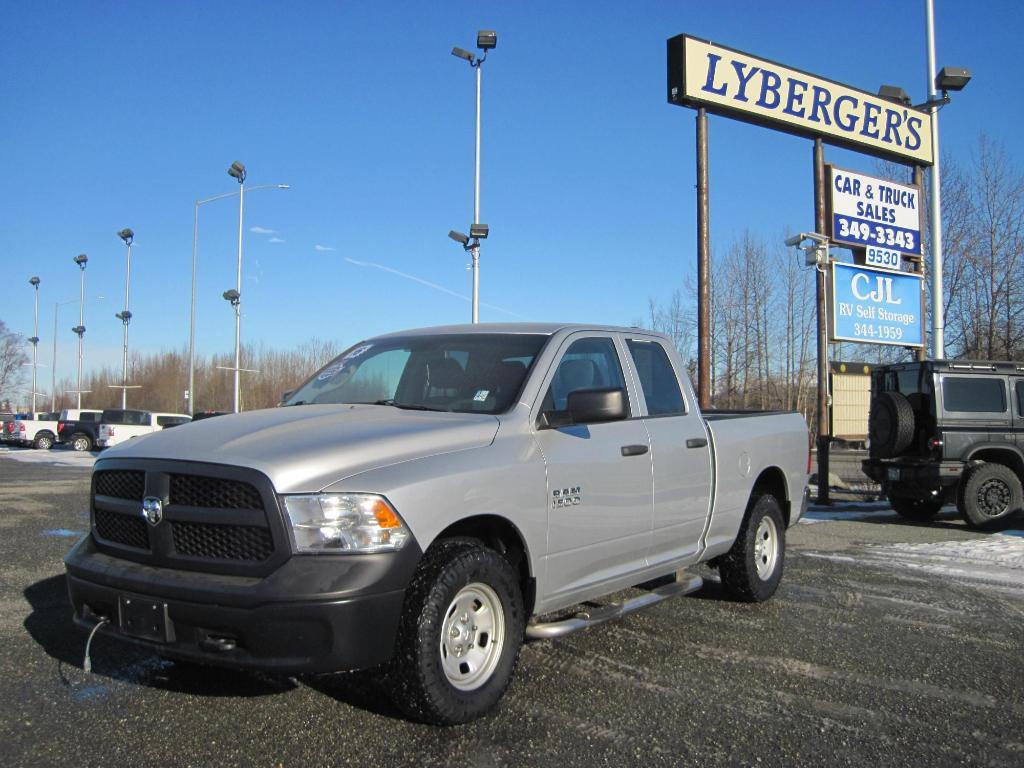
column 945, row 431
column 77, row 428
column 207, row 415
column 38, row 429
column 117, row 425
column 429, row 499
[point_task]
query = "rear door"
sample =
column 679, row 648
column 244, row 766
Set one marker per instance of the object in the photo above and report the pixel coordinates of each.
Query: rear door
column 599, row 488
column 680, row 449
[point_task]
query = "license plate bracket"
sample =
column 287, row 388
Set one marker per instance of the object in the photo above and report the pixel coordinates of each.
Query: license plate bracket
column 144, row 619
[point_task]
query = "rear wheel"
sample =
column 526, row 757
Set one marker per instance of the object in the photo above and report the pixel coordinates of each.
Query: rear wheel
column 81, row 443
column 912, row 508
column 42, row 442
column 752, row 569
column 988, row 493
column 462, row 626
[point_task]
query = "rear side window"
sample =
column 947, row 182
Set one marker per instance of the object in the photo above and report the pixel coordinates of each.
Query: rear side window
column 1020, row 397
column 657, row 378
column 973, row 395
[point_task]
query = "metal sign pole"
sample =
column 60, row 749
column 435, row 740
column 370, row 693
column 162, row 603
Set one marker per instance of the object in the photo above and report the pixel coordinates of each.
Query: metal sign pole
column 820, row 278
column 703, row 265
column 922, row 353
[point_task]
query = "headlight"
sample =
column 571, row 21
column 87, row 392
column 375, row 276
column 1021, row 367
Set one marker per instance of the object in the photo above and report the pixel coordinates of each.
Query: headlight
column 331, row 523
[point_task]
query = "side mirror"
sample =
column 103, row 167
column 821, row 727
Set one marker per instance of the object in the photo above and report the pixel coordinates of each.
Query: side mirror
column 285, row 395
column 592, row 406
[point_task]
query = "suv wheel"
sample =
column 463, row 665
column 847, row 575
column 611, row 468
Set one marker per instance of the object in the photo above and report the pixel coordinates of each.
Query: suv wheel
column 987, row 493
column 462, row 626
column 920, row 510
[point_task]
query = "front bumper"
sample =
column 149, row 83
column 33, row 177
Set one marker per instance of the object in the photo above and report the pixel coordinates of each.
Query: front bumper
column 313, row 614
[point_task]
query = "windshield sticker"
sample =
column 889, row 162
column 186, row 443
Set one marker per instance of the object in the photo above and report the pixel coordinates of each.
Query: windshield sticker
column 481, row 395
column 357, row 352
column 330, row 371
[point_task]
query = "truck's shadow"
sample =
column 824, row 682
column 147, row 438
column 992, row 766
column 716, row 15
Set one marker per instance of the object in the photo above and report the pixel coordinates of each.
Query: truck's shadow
column 49, row 624
column 949, row 519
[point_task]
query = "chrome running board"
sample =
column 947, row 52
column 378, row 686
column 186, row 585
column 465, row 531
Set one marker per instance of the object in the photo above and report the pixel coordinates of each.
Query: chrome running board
column 600, row 614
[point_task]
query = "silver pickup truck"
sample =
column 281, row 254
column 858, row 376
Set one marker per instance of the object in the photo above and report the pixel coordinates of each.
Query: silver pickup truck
column 430, row 499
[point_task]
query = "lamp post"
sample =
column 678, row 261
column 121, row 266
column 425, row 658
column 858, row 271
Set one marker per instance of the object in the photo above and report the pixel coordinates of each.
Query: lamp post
column 53, row 367
column 237, row 171
column 486, row 40
column 34, row 282
column 192, row 314
column 125, row 315
column 81, row 260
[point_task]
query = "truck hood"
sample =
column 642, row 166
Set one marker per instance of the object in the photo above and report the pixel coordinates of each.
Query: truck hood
column 303, row 449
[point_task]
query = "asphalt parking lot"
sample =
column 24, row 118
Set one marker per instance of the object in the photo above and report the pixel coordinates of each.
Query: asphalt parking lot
column 887, row 644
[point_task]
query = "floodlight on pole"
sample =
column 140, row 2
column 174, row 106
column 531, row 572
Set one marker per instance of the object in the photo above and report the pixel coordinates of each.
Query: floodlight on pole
column 34, row 282
column 458, row 237
column 192, row 311
column 237, row 171
column 125, row 316
column 81, row 260
column 486, row 40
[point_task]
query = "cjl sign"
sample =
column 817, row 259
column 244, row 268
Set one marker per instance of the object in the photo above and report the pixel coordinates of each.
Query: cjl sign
column 876, row 306
column 868, row 211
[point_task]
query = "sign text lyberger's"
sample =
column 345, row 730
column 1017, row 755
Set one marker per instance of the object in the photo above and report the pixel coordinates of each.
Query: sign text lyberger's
column 740, row 85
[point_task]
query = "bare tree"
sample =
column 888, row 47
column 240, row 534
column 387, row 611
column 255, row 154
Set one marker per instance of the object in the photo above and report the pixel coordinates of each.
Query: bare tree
column 12, row 360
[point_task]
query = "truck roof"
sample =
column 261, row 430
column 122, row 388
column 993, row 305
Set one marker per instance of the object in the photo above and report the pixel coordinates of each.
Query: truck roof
column 546, row 329
column 978, row 366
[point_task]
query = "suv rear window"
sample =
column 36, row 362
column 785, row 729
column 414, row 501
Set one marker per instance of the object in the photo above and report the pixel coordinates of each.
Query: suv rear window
column 973, row 395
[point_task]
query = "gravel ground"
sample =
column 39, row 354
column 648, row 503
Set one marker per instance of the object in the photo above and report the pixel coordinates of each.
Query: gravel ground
column 887, row 644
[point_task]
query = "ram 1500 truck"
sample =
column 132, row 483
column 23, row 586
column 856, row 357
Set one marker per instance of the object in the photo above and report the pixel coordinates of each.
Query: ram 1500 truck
column 429, row 499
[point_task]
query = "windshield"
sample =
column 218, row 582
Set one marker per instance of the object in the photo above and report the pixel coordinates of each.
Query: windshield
column 469, row 373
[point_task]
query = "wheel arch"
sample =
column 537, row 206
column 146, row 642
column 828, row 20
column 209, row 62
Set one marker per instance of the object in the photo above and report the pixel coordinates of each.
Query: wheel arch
column 773, row 480
column 504, row 537
column 1005, row 455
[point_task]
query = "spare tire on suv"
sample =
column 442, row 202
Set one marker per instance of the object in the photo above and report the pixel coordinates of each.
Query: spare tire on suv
column 890, row 425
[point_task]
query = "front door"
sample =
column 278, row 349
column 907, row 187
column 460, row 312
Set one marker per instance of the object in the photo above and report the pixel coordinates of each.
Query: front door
column 600, row 489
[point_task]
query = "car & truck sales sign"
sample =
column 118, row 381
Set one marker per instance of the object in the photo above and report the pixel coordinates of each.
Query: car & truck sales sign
column 873, row 213
column 876, row 306
column 738, row 85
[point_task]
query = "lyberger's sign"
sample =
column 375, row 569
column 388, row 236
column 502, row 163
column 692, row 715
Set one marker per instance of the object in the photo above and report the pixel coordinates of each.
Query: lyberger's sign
column 703, row 74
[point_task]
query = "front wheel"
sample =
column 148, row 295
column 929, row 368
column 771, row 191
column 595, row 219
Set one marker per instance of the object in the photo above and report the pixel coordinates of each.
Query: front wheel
column 462, row 626
column 752, row 569
column 988, row 493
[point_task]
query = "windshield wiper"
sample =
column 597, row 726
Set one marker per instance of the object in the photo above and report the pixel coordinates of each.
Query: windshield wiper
column 407, row 406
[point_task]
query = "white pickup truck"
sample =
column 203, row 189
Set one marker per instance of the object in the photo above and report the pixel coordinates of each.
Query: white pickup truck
column 430, row 499
column 117, row 425
column 38, row 430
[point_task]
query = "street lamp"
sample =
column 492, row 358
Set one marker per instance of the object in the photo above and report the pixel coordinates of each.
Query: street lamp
column 192, row 314
column 238, row 171
column 125, row 315
column 948, row 79
column 34, row 282
column 81, row 260
column 486, row 40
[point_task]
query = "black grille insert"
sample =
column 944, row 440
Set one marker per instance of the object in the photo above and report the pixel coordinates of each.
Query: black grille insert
column 122, row 529
column 213, row 493
column 121, row 484
column 222, row 542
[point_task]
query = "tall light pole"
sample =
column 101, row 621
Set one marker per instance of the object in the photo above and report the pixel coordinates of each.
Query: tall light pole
column 53, row 368
column 486, row 40
column 81, row 260
column 237, row 171
column 34, row 282
column 192, row 316
column 125, row 315
column 949, row 79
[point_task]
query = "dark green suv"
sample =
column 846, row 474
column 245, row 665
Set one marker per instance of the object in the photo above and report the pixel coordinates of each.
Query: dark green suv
column 943, row 431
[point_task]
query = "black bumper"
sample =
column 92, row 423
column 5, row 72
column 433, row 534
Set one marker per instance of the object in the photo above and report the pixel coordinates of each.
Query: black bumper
column 313, row 614
column 918, row 477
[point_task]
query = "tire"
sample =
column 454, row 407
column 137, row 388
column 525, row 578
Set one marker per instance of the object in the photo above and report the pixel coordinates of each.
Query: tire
column 916, row 509
column 988, row 493
column 81, row 443
column 890, row 424
column 752, row 569
column 42, row 442
column 446, row 670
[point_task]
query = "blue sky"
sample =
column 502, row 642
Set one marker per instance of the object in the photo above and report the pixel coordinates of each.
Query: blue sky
column 122, row 114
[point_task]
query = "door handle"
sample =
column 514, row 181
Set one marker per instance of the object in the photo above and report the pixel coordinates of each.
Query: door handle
column 696, row 442
column 634, row 450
